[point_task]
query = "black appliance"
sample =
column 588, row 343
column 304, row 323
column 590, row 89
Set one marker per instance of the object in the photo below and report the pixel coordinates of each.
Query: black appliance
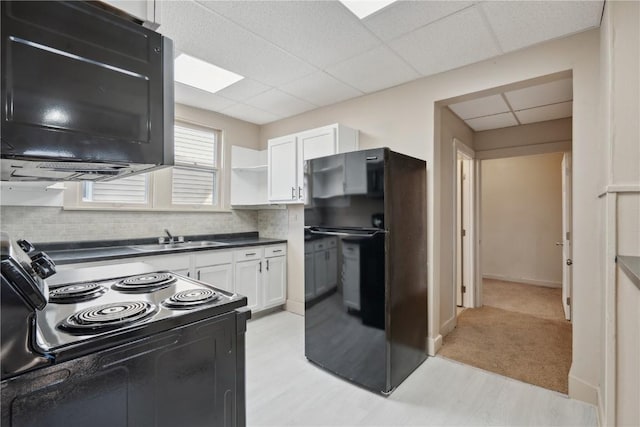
column 86, row 94
column 103, row 347
column 372, row 328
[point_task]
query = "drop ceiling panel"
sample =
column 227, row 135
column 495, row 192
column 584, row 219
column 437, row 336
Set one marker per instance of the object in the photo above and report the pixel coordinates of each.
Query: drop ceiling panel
column 492, row 122
column 320, row 89
column 250, row 114
column 547, row 112
column 377, row 69
column 544, row 94
column 480, row 107
column 319, row 32
column 518, row 24
column 459, row 39
column 208, row 36
column 279, row 103
column 188, row 95
column 244, row 89
column 402, row 17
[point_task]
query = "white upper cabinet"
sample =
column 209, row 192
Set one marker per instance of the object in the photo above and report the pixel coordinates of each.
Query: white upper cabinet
column 147, row 11
column 286, row 156
column 284, row 170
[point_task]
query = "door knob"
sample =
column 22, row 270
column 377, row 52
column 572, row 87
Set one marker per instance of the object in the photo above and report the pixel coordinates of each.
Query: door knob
column 569, row 262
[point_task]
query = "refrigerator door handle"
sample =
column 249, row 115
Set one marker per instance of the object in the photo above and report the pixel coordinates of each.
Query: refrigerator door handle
column 345, row 234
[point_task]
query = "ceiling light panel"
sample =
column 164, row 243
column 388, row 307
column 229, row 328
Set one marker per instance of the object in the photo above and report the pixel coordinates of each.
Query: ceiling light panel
column 364, row 8
column 544, row 94
column 486, row 106
column 548, row 112
column 492, row 122
column 203, row 75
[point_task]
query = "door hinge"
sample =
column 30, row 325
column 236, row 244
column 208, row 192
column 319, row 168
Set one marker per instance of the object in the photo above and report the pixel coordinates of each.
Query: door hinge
column 464, row 233
column 568, row 235
column 568, row 300
column 464, row 289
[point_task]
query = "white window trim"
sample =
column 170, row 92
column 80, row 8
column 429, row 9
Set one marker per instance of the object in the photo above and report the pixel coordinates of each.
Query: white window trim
column 159, row 187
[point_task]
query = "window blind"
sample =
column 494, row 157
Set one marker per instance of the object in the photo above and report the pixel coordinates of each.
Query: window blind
column 132, row 189
column 195, row 174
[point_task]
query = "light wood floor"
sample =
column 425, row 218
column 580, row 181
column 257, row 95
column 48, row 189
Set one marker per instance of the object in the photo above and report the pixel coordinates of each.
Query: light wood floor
column 284, row 389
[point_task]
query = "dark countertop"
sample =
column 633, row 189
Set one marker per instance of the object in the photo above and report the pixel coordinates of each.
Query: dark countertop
column 104, row 250
column 631, row 266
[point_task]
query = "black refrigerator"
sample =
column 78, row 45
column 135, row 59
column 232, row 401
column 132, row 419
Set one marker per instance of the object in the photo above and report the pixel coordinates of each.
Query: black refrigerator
column 366, row 266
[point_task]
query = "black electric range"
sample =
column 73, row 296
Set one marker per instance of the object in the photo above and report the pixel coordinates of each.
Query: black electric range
column 113, row 348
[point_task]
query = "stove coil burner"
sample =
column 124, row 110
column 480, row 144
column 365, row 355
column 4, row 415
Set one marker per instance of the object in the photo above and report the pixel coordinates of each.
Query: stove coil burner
column 109, row 316
column 191, row 298
column 145, row 282
column 76, row 293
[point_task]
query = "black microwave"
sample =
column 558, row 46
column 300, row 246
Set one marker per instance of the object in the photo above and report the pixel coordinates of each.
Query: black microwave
column 86, row 94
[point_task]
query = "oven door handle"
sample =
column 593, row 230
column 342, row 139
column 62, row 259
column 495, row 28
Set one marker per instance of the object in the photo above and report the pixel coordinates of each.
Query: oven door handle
column 346, row 234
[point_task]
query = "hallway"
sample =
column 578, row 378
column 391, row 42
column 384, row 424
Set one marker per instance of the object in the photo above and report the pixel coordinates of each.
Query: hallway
column 520, row 332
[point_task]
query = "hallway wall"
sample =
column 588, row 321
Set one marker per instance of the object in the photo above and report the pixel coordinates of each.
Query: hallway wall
column 522, row 219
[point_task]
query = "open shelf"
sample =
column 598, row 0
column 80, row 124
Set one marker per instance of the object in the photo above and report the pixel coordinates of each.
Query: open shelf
column 257, row 168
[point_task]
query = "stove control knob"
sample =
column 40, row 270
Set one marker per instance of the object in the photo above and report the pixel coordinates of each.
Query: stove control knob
column 43, row 265
column 26, row 246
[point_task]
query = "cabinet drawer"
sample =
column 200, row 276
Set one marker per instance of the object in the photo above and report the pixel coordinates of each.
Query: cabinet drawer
column 213, row 258
column 308, row 247
column 247, row 254
column 325, row 244
column 271, row 251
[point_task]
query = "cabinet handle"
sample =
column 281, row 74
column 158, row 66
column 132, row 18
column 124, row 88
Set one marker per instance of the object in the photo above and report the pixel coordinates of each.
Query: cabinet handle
column 260, row 267
column 267, row 265
column 250, row 254
column 293, row 193
column 188, row 274
column 198, row 274
column 300, row 193
column 277, row 250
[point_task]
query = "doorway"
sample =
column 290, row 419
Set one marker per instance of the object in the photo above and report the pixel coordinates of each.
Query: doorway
column 520, row 330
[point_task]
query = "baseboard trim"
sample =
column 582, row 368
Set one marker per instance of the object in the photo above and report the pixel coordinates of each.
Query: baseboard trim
column 545, row 283
column 434, row 345
column 448, row 326
column 581, row 390
column 294, row 307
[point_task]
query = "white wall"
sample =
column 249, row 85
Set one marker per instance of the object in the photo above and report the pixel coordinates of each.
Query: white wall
column 522, row 219
column 403, row 118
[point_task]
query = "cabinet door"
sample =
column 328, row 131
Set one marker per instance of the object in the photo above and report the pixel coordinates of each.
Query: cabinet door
column 321, row 277
column 318, row 142
column 332, row 268
column 309, row 277
column 247, row 282
column 275, row 276
column 283, row 170
column 351, row 276
column 218, row 276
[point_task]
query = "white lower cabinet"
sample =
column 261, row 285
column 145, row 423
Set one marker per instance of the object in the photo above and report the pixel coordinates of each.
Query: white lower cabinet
column 320, row 267
column 258, row 272
column 215, row 268
column 261, row 275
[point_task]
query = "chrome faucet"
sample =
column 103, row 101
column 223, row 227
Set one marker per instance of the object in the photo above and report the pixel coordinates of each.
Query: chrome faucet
column 169, row 234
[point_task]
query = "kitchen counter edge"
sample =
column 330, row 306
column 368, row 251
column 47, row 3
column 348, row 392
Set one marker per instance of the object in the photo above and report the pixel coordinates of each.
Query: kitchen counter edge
column 68, row 253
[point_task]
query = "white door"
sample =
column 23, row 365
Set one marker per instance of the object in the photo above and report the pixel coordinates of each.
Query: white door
column 218, row 276
column 318, row 142
column 566, row 235
column 282, row 181
column 248, row 281
column 275, row 280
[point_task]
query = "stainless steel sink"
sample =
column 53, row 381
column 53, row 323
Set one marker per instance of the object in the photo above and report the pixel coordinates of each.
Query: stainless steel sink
column 177, row 245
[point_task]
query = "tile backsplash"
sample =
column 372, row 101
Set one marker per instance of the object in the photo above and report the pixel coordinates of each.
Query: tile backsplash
column 54, row 224
column 273, row 223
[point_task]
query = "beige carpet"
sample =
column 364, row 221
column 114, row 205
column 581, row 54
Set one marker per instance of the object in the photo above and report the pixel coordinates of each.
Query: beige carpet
column 524, row 344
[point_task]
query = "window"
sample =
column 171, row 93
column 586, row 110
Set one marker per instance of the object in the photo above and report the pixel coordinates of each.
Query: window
column 194, row 178
column 193, row 183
